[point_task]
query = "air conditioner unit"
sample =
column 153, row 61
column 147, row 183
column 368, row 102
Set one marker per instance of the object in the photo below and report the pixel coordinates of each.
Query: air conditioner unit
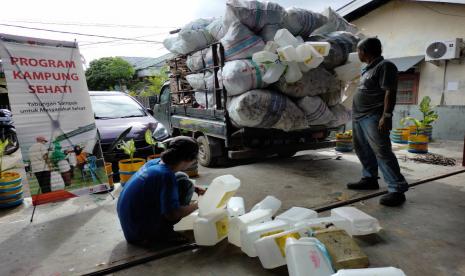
column 443, row 50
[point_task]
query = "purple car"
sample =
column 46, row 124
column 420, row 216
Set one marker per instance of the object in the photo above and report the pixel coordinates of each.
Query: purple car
column 115, row 112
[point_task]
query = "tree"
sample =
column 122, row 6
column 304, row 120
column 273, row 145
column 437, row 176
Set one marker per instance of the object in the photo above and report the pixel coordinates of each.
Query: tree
column 152, row 85
column 105, row 73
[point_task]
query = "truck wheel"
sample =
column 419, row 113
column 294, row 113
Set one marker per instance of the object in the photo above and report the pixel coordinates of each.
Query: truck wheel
column 206, row 158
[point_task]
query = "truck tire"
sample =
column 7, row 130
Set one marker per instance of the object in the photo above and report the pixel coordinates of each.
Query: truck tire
column 206, row 158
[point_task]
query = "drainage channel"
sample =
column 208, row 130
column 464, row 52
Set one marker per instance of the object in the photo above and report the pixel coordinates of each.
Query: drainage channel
column 182, row 248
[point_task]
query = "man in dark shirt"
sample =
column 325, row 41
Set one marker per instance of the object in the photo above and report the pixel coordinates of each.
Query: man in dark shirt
column 372, row 120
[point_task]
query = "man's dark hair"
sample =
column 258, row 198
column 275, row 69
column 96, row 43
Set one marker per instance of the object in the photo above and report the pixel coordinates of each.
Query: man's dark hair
column 181, row 148
column 371, row 46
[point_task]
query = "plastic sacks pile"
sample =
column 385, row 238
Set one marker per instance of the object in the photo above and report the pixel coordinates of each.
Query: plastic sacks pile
column 289, row 238
column 284, row 69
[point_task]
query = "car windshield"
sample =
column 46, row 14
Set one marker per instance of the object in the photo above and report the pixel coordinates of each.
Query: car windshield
column 115, row 106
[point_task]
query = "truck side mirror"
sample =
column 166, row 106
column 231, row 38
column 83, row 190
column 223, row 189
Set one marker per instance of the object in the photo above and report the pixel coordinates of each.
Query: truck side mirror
column 150, row 111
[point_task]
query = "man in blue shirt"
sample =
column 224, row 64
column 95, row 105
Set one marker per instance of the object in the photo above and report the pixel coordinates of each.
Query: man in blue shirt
column 158, row 195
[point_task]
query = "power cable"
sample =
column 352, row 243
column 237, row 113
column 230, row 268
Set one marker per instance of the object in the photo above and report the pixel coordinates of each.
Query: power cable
column 117, row 40
column 104, row 25
column 81, row 34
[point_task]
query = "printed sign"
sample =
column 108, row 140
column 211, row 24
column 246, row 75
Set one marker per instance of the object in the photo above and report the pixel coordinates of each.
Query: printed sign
column 53, row 117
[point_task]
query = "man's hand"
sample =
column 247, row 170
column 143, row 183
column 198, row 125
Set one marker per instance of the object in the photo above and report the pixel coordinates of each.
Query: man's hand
column 199, row 191
column 385, row 124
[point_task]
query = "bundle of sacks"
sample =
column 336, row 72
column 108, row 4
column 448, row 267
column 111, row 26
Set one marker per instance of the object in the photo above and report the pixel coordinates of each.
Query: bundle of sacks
column 284, row 69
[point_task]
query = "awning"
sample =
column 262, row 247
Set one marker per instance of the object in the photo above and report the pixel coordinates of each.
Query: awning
column 405, row 63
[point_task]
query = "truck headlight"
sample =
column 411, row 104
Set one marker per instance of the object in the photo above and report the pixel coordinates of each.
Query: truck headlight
column 160, row 133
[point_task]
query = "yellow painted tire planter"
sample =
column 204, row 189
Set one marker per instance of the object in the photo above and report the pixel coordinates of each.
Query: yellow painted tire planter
column 418, row 144
column 127, row 169
column 11, row 189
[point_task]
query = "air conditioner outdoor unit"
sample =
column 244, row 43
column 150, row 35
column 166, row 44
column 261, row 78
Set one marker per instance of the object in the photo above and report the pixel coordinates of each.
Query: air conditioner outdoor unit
column 443, row 50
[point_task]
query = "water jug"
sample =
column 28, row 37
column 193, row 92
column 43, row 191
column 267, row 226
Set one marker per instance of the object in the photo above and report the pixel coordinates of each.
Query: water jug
column 187, row 223
column 269, row 202
column 296, row 215
column 284, row 38
column 381, row 271
column 307, row 256
column 211, row 229
column 293, row 73
column 321, row 47
column 311, row 60
column 274, row 72
column 264, row 57
column 218, row 194
column 271, row 46
column 236, row 207
column 355, row 222
column 237, row 224
column 287, row 53
column 254, row 232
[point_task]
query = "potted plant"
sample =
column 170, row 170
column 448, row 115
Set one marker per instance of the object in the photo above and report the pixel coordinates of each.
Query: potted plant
column 11, row 188
column 128, row 167
column 153, row 143
column 418, row 139
column 344, row 141
column 423, row 126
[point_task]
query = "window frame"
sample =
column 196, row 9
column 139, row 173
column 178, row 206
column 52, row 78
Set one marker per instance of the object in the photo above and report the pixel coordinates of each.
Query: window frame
column 415, row 77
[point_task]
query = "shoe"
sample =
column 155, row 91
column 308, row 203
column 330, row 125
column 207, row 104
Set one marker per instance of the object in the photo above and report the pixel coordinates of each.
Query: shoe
column 392, row 199
column 366, row 183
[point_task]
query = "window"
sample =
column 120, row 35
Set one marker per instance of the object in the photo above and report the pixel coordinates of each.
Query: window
column 407, row 89
column 116, row 106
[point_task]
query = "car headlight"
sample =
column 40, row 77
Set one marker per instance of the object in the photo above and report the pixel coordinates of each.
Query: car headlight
column 160, row 133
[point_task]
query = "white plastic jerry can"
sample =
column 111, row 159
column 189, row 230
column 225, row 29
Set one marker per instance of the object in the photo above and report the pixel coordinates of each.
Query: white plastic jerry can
column 293, row 73
column 211, row 229
column 309, row 57
column 237, row 224
column 254, row 232
column 218, row 194
column 264, row 57
column 287, row 53
column 236, row 207
column 187, row 223
column 274, row 72
column 269, row 202
column 296, row 215
column 284, row 38
column 381, row 271
column 307, row 256
column 271, row 250
column 354, row 221
column 321, row 47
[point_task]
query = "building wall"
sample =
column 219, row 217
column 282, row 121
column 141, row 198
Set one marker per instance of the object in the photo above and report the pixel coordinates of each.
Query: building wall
column 405, row 28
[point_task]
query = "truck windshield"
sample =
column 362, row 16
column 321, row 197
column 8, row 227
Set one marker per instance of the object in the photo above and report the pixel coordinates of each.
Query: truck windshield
column 116, row 106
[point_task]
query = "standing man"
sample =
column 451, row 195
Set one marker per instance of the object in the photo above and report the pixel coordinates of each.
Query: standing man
column 372, row 120
column 38, row 155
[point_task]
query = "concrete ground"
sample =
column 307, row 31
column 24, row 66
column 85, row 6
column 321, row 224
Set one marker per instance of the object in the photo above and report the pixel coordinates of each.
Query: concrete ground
column 81, row 235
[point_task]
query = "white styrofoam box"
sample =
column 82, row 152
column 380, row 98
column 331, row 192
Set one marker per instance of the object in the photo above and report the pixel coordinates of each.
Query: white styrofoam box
column 254, row 232
column 237, row 224
column 297, row 214
column 360, row 223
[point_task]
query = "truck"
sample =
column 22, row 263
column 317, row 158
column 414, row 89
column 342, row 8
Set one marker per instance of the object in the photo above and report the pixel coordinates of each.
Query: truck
column 218, row 137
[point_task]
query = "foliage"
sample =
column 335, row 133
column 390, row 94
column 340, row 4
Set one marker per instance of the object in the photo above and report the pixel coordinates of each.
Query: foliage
column 429, row 115
column 149, row 139
column 107, row 72
column 129, row 147
column 3, row 145
column 152, row 85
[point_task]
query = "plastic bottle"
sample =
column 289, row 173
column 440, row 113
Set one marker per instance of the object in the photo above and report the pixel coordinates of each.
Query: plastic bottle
column 274, row 72
column 211, row 229
column 264, row 57
column 287, row 53
column 269, row 202
column 218, row 194
column 186, row 223
column 293, row 73
column 271, row 46
column 381, row 271
column 236, row 225
column 284, row 38
column 309, row 56
column 307, row 256
column 296, row 215
column 236, row 207
column 321, row 47
column 254, row 232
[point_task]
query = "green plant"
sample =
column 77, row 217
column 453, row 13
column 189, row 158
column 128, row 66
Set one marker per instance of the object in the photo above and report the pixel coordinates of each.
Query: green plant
column 429, row 115
column 107, row 72
column 149, row 140
column 3, row 145
column 129, row 147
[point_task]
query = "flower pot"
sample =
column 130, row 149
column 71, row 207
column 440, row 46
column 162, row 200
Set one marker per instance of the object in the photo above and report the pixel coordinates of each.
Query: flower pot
column 418, row 143
column 153, row 156
column 11, row 189
column 127, row 168
column 109, row 172
column 400, row 135
column 427, row 130
column 344, row 142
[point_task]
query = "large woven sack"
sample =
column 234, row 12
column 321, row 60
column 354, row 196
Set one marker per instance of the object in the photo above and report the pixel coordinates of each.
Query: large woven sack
column 301, row 22
column 242, row 75
column 335, row 23
column 202, row 81
column 332, row 98
column 240, row 43
column 254, row 14
column 217, row 29
column 193, row 36
column 314, row 82
column 265, row 109
column 316, row 111
column 341, row 114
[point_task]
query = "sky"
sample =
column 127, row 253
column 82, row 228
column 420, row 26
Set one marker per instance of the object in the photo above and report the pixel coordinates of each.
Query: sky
column 147, row 20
